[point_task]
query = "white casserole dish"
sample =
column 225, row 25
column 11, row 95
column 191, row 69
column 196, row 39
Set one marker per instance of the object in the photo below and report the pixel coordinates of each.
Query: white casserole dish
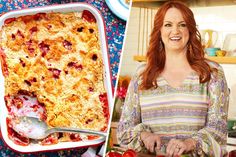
column 72, row 7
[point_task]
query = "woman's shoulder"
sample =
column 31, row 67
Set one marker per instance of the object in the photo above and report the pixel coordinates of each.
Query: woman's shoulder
column 137, row 74
column 213, row 64
column 217, row 69
column 140, row 69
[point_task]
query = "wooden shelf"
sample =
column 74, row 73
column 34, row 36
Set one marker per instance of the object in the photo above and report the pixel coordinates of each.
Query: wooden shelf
column 140, row 58
column 221, row 60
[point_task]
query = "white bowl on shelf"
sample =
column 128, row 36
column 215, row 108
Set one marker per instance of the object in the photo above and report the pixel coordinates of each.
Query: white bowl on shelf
column 230, row 44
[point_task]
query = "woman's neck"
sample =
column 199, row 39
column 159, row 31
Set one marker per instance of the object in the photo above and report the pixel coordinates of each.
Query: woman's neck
column 176, row 60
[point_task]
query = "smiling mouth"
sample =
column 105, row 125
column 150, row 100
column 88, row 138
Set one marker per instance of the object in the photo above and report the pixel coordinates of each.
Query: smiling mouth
column 175, row 38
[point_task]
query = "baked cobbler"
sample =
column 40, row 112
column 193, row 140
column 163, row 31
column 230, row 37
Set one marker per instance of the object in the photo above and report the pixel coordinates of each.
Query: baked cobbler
column 55, row 59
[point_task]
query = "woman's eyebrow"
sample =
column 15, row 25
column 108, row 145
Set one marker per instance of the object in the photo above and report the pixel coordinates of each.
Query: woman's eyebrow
column 172, row 22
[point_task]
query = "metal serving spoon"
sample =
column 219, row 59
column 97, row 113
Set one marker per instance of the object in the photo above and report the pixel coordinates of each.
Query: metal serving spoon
column 34, row 128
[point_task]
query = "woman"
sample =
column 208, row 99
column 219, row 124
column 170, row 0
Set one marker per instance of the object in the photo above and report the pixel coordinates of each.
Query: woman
column 179, row 99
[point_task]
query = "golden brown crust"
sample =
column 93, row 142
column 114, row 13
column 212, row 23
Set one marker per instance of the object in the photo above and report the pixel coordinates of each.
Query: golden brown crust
column 58, row 58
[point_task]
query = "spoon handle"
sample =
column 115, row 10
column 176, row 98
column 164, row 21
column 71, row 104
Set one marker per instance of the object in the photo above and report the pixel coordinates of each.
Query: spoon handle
column 76, row 130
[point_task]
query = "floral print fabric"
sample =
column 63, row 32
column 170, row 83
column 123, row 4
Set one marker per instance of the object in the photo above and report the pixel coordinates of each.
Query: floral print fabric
column 193, row 110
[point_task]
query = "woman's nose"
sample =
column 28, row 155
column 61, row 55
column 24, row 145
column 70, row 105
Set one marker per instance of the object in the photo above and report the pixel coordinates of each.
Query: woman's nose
column 175, row 29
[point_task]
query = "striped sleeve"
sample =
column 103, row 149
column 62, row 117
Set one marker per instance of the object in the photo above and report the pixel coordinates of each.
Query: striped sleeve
column 130, row 125
column 212, row 138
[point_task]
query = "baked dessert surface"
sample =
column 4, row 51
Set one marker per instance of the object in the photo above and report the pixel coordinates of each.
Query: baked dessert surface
column 56, row 57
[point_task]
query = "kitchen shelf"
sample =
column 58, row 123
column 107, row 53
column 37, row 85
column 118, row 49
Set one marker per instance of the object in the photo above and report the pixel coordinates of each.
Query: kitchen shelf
column 221, row 60
column 140, row 58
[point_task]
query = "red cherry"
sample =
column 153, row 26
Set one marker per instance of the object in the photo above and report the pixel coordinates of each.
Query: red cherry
column 87, row 15
column 9, row 20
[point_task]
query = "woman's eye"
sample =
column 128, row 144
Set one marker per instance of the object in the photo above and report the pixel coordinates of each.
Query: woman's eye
column 182, row 25
column 167, row 25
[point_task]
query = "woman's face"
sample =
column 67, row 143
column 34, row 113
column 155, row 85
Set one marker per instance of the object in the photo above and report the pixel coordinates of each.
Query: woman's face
column 174, row 32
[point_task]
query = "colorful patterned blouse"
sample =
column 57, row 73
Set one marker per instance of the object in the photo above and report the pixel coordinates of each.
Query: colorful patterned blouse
column 192, row 110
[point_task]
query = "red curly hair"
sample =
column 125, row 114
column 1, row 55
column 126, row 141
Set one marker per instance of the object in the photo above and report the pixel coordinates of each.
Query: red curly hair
column 156, row 54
